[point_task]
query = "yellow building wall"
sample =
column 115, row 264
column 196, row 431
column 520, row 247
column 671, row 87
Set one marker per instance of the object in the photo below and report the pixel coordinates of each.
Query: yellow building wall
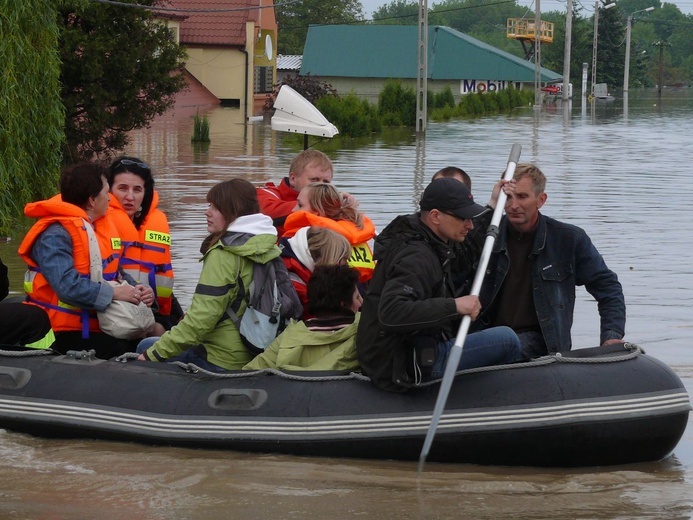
column 222, row 71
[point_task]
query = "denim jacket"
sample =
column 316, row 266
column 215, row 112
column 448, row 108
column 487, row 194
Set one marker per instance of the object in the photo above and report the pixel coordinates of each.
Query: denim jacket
column 562, row 257
column 52, row 251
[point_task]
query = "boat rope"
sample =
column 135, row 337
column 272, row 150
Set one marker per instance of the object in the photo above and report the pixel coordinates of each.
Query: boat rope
column 193, row 368
column 25, row 353
column 624, row 352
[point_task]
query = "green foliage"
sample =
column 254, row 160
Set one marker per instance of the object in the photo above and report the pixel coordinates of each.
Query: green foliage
column 293, row 19
column 472, row 105
column 445, row 113
column 353, row 117
column 120, row 69
column 31, row 115
column 479, row 104
column 443, row 99
column 397, row 12
column 308, row 86
column 397, row 104
column 200, row 129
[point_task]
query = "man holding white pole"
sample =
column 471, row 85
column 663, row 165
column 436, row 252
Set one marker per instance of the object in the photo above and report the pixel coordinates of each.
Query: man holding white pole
column 410, row 315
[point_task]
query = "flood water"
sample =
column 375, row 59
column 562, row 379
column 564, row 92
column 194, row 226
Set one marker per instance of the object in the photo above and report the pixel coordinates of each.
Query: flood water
column 622, row 173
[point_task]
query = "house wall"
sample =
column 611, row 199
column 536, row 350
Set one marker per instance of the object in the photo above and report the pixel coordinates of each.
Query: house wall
column 222, row 71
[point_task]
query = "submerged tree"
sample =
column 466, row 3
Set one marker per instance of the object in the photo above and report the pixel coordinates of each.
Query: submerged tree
column 120, row 68
column 31, row 115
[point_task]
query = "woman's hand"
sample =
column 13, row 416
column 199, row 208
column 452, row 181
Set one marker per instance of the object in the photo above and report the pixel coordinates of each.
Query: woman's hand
column 126, row 293
column 141, row 358
column 146, row 295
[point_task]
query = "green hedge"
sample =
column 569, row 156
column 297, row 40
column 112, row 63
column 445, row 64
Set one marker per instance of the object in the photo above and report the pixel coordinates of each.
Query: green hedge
column 397, row 107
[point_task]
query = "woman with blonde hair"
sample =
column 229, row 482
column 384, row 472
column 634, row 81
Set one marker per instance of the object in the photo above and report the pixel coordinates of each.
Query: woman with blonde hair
column 321, row 205
column 307, row 249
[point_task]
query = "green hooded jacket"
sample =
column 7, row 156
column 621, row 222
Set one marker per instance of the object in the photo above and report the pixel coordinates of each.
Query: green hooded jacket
column 298, row 348
column 217, row 289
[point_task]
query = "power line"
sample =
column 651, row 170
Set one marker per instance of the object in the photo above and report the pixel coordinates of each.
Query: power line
column 177, row 10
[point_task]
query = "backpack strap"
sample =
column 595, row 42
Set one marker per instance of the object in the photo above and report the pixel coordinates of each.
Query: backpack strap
column 241, row 295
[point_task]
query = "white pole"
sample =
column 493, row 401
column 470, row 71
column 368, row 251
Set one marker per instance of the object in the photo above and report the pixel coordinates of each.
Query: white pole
column 566, row 55
column 537, row 57
column 629, row 23
column 629, row 27
column 594, row 47
column 422, row 69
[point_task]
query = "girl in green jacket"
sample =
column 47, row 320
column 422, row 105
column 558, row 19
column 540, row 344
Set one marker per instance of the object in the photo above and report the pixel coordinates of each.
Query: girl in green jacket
column 328, row 341
column 239, row 235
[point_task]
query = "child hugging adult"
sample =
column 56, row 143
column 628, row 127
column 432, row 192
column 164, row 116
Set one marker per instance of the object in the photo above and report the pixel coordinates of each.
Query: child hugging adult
column 321, row 205
column 310, row 248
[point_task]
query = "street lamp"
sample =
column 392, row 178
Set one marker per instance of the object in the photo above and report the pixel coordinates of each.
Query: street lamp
column 629, row 24
column 594, row 44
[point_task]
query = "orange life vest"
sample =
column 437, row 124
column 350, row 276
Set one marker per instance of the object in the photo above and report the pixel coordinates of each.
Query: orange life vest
column 361, row 257
column 63, row 316
column 146, row 254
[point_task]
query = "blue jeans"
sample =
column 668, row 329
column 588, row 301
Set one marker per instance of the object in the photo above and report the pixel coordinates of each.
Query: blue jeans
column 189, row 356
column 533, row 344
column 494, row 346
column 146, row 343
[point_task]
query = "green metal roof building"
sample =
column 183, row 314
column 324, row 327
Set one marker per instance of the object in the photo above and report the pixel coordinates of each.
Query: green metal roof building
column 362, row 57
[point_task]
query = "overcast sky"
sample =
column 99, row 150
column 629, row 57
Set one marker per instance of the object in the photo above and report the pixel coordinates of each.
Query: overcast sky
column 686, row 6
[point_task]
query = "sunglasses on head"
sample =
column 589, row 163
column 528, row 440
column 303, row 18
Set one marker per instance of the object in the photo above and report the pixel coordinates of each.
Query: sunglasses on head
column 129, row 162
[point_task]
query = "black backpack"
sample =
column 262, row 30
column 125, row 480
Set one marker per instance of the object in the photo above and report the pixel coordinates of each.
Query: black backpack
column 271, row 301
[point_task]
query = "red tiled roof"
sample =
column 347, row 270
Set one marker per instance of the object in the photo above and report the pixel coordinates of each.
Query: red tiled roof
column 215, row 28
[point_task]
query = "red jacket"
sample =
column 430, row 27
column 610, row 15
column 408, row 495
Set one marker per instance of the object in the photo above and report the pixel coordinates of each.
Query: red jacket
column 299, row 275
column 277, row 202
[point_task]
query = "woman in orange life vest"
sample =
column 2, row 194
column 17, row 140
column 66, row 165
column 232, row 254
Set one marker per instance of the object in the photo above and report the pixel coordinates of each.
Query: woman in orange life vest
column 312, row 247
column 56, row 250
column 321, row 205
column 144, row 234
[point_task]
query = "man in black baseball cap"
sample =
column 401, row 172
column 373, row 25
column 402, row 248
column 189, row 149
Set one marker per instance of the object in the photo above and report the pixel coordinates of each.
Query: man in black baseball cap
column 410, row 314
column 447, row 208
column 452, row 197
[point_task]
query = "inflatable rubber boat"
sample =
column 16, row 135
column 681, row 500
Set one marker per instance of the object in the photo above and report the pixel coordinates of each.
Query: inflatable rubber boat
column 598, row 406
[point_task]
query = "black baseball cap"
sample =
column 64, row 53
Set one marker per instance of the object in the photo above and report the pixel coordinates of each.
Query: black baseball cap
column 452, row 197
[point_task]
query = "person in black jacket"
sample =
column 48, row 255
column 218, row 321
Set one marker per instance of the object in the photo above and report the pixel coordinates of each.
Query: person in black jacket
column 22, row 325
column 409, row 315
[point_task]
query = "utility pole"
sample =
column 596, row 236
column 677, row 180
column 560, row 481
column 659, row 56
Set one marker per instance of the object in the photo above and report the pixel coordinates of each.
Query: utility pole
column 566, row 54
column 537, row 57
column 629, row 25
column 422, row 69
column 660, row 82
column 594, row 43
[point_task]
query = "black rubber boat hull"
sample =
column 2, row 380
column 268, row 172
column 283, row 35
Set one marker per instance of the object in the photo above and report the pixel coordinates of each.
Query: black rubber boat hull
column 625, row 408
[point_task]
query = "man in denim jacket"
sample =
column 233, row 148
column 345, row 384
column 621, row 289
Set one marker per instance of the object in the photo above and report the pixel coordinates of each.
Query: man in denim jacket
column 536, row 263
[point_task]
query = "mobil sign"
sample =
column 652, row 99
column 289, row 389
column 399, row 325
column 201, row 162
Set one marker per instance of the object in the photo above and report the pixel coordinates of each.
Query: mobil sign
column 470, row 86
